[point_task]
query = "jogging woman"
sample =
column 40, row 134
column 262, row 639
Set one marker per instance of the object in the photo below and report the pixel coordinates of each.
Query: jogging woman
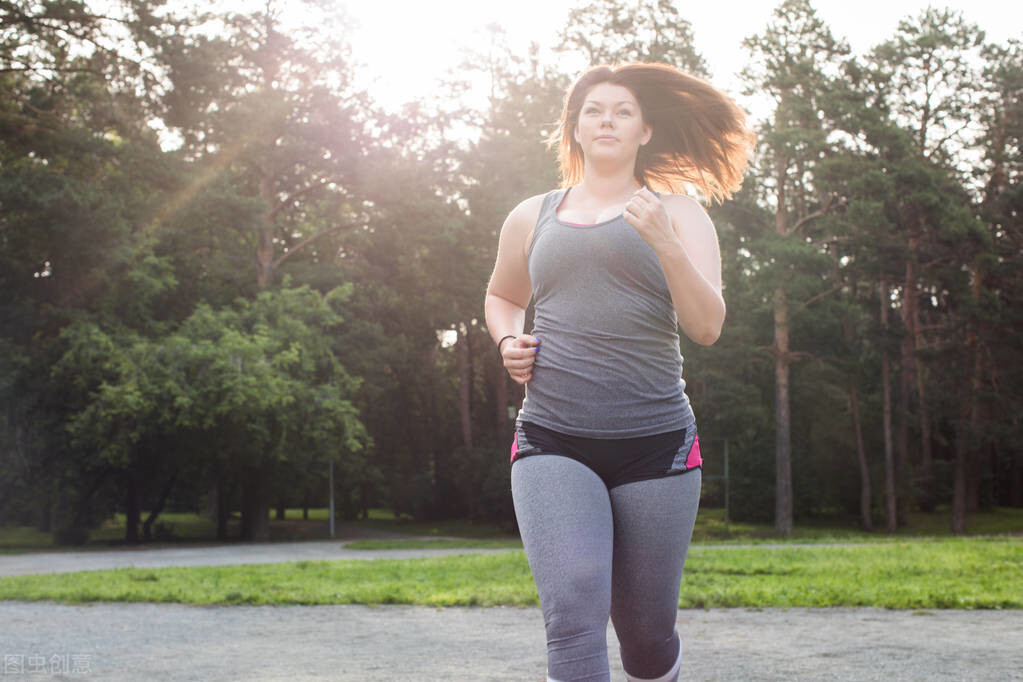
column 606, row 467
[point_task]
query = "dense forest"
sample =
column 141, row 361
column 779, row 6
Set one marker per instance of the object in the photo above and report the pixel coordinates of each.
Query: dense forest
column 224, row 268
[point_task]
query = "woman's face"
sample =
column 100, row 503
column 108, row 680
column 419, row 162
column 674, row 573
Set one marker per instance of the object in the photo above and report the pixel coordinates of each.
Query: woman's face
column 610, row 123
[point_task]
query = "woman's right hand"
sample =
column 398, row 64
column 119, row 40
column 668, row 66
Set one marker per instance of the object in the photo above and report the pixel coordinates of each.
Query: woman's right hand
column 519, row 354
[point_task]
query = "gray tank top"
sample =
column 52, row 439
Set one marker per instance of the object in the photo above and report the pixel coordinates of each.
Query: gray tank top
column 609, row 364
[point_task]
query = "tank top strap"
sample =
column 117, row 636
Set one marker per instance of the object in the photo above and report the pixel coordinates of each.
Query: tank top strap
column 550, row 204
column 547, row 215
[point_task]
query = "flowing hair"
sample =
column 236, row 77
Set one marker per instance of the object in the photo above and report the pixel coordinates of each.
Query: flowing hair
column 699, row 136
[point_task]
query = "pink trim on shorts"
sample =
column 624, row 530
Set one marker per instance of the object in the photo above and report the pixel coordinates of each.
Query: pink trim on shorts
column 694, row 459
column 514, row 447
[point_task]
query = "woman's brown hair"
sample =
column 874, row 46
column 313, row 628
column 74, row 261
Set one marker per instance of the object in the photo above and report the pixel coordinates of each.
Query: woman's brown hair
column 699, row 133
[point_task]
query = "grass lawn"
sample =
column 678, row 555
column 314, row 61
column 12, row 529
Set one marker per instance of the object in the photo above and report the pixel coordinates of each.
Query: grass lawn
column 711, row 529
column 958, row 573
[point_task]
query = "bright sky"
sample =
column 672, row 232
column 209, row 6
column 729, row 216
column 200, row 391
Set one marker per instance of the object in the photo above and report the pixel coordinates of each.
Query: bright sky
column 406, row 46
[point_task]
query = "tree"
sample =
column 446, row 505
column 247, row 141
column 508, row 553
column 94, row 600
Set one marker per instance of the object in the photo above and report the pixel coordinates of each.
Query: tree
column 799, row 60
column 924, row 78
column 271, row 108
column 613, row 31
column 990, row 413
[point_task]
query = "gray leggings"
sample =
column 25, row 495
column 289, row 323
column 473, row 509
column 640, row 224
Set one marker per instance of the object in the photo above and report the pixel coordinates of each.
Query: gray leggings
column 596, row 552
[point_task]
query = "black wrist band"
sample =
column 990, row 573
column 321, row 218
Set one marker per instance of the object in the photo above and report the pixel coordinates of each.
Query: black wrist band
column 508, row 336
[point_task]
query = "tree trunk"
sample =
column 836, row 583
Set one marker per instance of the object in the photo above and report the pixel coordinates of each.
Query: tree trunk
column 280, row 510
column 44, row 511
column 132, row 514
column 265, row 248
column 866, row 516
column 928, row 497
column 783, row 438
column 73, row 518
column 973, row 459
column 902, row 440
column 223, row 509
column 255, row 507
column 212, row 501
column 465, row 383
column 907, row 365
column 912, row 315
column 966, row 479
column 157, row 509
column 782, row 418
column 890, row 507
column 364, row 500
column 972, row 479
column 866, row 521
column 1016, row 480
column 959, row 485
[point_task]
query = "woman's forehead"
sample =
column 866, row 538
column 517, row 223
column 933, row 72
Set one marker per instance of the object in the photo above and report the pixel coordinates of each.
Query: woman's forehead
column 609, row 93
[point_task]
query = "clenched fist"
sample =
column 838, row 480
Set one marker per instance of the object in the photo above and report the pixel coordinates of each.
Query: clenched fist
column 519, row 354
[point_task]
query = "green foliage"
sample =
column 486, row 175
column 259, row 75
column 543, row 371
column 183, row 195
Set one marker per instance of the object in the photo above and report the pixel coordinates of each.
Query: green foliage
column 261, row 285
column 612, row 31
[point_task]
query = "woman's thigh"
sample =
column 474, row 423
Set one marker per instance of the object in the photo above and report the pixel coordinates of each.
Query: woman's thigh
column 653, row 524
column 564, row 516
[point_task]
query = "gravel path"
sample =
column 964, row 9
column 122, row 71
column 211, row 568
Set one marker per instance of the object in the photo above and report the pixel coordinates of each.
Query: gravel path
column 353, row 642
column 157, row 555
column 174, row 642
column 221, row 555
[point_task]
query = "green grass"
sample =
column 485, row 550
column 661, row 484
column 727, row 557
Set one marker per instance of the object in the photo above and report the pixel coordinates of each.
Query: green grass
column 921, row 574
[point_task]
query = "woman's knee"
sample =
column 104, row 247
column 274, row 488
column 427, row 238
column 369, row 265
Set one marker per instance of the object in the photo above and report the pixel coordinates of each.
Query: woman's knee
column 648, row 657
column 644, row 625
column 590, row 580
column 578, row 590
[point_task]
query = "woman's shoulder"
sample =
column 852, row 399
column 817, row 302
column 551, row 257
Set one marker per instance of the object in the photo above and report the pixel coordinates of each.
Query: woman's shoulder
column 684, row 207
column 527, row 211
column 681, row 201
column 690, row 219
column 535, row 201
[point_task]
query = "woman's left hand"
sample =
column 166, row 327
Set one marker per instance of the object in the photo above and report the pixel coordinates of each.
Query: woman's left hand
column 647, row 214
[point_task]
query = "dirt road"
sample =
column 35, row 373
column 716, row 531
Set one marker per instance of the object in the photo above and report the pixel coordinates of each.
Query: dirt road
column 172, row 642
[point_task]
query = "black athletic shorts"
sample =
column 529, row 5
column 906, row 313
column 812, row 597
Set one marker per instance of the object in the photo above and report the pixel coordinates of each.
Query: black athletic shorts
column 618, row 460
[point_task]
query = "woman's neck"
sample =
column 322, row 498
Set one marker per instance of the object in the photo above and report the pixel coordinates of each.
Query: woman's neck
column 607, row 188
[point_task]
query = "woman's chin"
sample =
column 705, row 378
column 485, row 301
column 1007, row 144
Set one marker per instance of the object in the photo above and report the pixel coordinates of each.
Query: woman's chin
column 611, row 157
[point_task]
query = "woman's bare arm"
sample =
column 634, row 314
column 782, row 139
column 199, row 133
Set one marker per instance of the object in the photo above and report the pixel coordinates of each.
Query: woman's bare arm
column 692, row 268
column 509, row 292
